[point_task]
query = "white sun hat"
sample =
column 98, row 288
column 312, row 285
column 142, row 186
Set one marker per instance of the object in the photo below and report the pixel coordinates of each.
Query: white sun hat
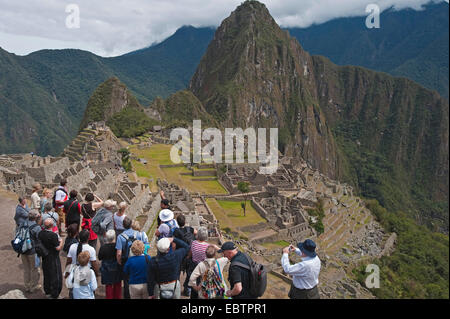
column 163, row 245
column 165, row 215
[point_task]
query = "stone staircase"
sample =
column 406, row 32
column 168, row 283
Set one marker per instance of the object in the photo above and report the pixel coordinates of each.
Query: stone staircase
column 343, row 225
column 79, row 145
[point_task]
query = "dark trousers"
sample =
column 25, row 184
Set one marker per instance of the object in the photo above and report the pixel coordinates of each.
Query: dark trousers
column 296, row 293
column 190, row 269
column 93, row 243
column 126, row 287
column 51, row 267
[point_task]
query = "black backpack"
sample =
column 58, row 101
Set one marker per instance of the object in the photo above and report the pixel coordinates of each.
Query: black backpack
column 39, row 247
column 187, row 235
column 258, row 276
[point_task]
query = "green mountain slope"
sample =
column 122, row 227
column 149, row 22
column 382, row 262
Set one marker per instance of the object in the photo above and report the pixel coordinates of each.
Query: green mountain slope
column 114, row 104
column 44, row 94
column 408, row 43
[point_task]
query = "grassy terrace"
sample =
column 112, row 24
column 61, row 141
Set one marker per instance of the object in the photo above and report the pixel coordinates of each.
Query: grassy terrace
column 159, row 154
column 230, row 214
column 276, row 245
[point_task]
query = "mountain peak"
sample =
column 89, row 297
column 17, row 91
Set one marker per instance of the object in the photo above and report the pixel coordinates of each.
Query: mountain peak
column 109, row 98
column 249, row 14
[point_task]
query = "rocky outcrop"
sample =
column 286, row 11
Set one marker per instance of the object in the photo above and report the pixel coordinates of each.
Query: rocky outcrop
column 13, row 294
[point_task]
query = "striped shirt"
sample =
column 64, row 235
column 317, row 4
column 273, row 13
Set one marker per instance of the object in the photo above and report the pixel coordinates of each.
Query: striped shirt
column 198, row 250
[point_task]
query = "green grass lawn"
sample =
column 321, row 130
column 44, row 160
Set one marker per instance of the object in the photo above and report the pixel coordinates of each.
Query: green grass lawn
column 186, row 181
column 276, row 244
column 159, row 154
column 230, row 214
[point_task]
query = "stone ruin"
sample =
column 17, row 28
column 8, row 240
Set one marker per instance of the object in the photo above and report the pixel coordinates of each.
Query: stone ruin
column 193, row 207
column 105, row 178
column 95, row 143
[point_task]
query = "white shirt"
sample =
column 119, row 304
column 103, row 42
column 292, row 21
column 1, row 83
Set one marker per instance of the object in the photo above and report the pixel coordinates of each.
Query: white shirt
column 35, row 201
column 73, row 253
column 305, row 274
column 60, row 196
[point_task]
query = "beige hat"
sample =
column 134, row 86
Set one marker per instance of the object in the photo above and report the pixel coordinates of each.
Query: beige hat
column 163, row 245
column 110, row 203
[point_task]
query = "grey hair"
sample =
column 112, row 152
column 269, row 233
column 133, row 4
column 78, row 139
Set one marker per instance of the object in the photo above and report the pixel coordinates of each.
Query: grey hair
column 49, row 224
column 110, row 203
column 33, row 215
column 110, row 236
column 48, row 206
column 202, row 234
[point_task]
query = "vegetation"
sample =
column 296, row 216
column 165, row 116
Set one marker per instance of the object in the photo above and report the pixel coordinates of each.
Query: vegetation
column 229, row 214
column 126, row 164
column 130, row 122
column 244, row 188
column 419, row 266
column 319, row 215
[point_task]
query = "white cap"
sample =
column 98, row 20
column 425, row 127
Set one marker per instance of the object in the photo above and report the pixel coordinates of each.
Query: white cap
column 163, row 245
column 165, row 215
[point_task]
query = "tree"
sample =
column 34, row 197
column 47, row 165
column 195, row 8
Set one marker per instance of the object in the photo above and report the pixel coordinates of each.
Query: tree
column 244, row 188
column 126, row 164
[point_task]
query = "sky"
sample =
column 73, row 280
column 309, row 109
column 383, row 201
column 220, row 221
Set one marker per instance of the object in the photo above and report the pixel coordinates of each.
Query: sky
column 115, row 27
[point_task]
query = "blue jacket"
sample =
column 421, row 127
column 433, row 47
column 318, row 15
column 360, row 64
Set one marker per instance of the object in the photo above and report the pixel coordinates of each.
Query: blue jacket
column 166, row 267
column 21, row 215
column 136, row 269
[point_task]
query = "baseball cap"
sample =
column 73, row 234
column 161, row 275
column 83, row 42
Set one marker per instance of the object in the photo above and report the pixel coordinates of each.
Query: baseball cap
column 227, row 246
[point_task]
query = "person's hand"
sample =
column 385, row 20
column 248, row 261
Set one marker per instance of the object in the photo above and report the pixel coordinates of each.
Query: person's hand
column 286, row 250
column 197, row 288
column 291, row 248
column 161, row 193
column 228, row 293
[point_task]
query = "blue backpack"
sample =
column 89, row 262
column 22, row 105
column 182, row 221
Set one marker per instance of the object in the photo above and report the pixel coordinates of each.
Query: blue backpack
column 172, row 225
column 22, row 241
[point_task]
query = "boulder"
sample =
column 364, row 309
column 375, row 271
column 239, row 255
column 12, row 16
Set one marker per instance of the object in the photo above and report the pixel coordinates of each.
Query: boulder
column 13, row 294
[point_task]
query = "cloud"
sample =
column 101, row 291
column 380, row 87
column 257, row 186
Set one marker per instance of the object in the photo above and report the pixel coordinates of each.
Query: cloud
column 110, row 28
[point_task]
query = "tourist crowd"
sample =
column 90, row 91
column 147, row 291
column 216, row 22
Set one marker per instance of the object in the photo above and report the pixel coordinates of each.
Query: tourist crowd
column 102, row 245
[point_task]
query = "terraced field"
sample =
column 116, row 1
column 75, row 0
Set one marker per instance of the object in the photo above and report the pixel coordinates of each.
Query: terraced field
column 159, row 154
column 230, row 214
column 341, row 226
